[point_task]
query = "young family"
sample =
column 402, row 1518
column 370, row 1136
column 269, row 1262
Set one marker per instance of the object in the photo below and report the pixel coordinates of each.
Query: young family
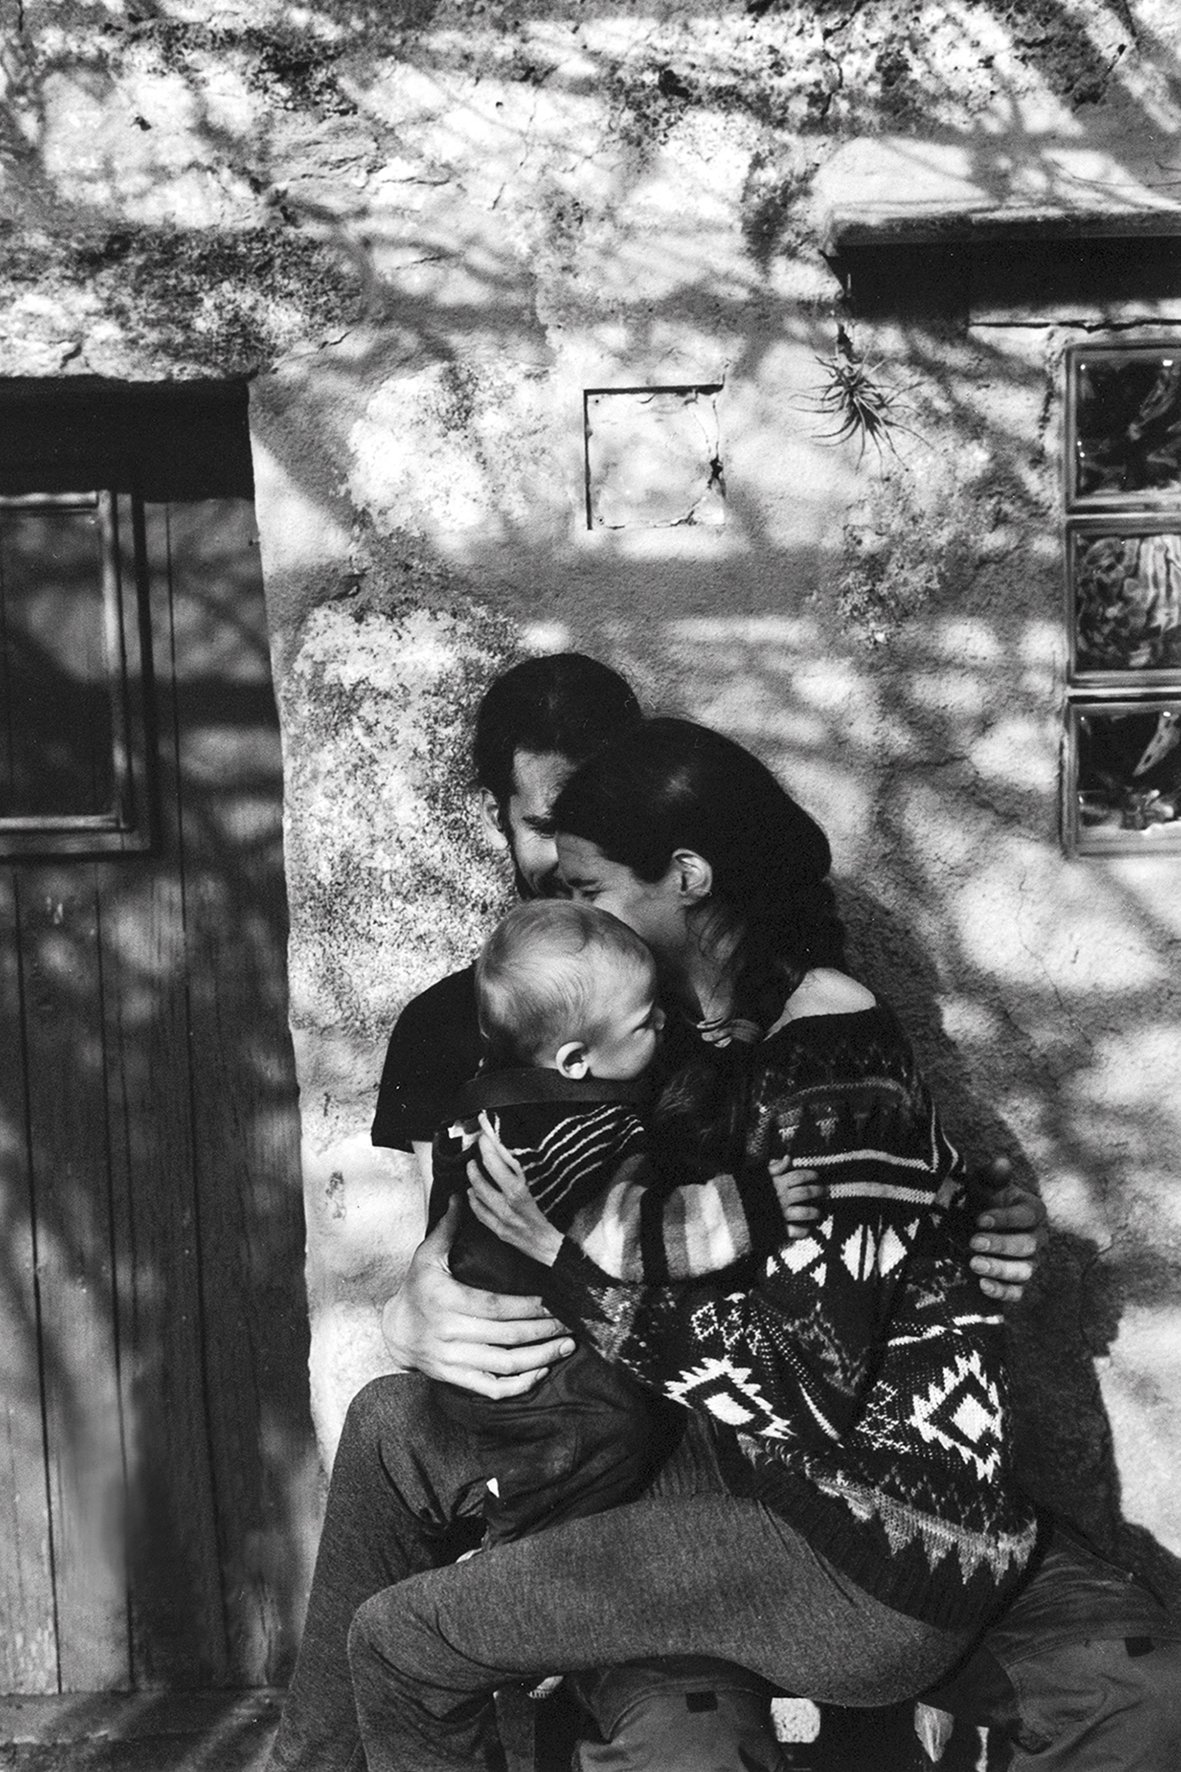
column 775, row 1453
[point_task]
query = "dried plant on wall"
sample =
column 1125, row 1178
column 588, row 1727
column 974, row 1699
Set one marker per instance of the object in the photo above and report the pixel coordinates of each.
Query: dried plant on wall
column 866, row 409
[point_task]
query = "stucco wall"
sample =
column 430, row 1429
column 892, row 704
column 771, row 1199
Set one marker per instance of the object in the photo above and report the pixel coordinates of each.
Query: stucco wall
column 425, row 231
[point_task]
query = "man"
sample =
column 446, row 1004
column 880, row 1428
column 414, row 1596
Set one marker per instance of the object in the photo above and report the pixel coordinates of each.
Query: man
column 533, row 727
column 536, row 724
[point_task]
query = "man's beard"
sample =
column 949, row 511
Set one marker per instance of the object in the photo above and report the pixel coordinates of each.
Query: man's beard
column 551, row 886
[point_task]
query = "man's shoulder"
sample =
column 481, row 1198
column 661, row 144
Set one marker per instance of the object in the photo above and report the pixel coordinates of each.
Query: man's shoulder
column 442, row 1001
column 433, row 1049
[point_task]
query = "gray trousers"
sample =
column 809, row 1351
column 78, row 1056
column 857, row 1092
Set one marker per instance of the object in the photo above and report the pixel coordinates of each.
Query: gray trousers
column 1081, row 1674
column 403, row 1648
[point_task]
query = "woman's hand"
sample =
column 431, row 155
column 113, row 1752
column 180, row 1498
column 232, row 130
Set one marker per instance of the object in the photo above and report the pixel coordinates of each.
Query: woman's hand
column 484, row 1342
column 802, row 1195
column 1011, row 1230
column 501, row 1200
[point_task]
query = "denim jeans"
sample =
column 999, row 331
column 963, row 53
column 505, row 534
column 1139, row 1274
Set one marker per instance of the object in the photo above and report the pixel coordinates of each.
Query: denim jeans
column 687, row 1571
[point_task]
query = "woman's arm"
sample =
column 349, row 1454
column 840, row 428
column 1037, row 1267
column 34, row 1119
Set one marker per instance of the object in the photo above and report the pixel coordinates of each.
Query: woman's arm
column 662, row 1334
column 787, row 1357
column 636, row 1230
column 790, row 1357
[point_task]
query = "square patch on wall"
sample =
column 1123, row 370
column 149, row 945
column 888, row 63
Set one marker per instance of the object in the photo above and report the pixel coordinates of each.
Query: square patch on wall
column 653, row 458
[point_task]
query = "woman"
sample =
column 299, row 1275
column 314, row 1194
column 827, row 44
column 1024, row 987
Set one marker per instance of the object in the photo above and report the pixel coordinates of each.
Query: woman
column 851, row 1520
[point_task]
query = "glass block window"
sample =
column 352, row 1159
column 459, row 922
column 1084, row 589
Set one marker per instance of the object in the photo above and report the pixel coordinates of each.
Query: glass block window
column 1127, row 425
column 1122, row 776
column 1125, row 586
column 72, row 705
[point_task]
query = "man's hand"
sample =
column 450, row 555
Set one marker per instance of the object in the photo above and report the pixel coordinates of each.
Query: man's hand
column 495, row 1345
column 1011, row 1230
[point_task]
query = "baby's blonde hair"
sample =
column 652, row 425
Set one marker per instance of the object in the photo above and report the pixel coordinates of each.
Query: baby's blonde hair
column 548, row 973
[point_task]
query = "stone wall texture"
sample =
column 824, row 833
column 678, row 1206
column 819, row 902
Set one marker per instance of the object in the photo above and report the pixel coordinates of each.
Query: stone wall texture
column 424, row 231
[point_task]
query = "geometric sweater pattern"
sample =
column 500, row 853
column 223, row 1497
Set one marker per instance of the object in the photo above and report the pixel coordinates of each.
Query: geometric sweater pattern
column 857, row 1376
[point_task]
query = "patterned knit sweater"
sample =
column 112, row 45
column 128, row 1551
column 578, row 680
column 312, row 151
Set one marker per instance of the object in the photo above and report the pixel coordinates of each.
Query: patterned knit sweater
column 859, row 1371
column 570, row 1137
column 582, row 1148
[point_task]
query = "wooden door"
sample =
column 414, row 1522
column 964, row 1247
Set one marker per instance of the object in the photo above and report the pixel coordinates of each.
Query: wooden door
column 156, row 1461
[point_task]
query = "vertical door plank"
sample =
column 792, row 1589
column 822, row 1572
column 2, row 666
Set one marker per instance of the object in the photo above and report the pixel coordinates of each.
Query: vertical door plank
column 158, row 1490
column 244, row 1089
column 28, row 1636
column 69, row 1139
column 177, row 1619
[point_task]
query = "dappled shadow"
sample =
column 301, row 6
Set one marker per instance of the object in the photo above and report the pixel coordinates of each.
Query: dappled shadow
column 148, row 1732
column 153, row 1296
column 939, row 648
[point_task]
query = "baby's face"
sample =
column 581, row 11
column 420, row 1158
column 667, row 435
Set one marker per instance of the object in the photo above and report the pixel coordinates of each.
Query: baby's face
column 626, row 1044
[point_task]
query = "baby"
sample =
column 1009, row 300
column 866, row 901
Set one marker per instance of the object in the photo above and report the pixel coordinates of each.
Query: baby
column 570, row 1021
column 569, row 1017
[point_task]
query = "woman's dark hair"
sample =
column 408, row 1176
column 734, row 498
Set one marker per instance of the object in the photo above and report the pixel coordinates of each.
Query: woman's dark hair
column 562, row 702
column 669, row 784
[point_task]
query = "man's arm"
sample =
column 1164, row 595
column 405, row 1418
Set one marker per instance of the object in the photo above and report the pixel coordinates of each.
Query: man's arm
column 494, row 1345
column 498, row 1347
column 1011, row 1230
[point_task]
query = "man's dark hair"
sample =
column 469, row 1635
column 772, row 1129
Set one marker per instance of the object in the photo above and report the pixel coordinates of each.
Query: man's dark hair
column 563, row 702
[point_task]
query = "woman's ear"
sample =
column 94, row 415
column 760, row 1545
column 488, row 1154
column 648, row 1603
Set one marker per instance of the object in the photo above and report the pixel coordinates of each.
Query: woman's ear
column 694, row 876
column 572, row 1059
column 492, row 819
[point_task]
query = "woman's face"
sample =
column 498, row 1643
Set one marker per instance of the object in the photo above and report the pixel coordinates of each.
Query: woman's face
column 655, row 911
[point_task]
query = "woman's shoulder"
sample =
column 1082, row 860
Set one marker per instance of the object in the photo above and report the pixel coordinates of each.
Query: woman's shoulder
column 832, row 1026
column 822, row 992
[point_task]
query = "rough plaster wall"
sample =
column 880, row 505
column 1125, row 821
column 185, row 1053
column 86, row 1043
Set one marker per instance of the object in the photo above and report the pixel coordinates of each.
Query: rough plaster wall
column 388, row 886
column 425, row 230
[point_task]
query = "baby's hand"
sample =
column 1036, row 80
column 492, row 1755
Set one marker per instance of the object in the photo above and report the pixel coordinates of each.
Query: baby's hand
column 802, row 1195
column 500, row 1198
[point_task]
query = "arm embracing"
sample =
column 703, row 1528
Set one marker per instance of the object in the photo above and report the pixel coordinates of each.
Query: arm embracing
column 786, row 1348
column 759, row 1346
column 481, row 1341
column 695, row 1339
column 1011, row 1229
column 643, row 1230
column 637, row 1228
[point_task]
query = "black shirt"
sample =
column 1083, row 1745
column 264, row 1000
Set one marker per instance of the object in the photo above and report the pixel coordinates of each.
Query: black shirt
column 433, row 1051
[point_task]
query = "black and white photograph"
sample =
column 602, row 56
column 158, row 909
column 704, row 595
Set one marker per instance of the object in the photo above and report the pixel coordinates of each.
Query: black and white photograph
column 590, row 886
